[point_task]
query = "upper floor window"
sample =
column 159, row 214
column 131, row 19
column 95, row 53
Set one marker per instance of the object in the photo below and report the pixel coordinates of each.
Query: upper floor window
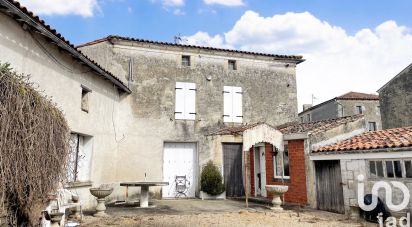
column 359, row 109
column 232, row 104
column 308, row 117
column 85, row 99
column 186, row 60
column 80, row 158
column 281, row 163
column 372, row 126
column 232, row 65
column 185, row 106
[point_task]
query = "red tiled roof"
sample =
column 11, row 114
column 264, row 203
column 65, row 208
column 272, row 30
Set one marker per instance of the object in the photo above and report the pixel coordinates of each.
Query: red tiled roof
column 236, row 130
column 317, row 126
column 292, row 127
column 358, row 96
column 22, row 14
column 389, row 138
column 297, row 58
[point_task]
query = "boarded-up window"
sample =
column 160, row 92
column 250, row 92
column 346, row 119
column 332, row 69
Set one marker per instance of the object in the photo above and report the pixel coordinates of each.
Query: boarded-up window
column 232, row 104
column 80, row 158
column 185, row 106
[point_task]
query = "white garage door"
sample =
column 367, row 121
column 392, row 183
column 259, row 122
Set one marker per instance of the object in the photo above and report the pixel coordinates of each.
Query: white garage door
column 179, row 160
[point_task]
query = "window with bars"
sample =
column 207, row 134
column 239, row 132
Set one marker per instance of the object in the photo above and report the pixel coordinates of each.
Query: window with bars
column 80, row 158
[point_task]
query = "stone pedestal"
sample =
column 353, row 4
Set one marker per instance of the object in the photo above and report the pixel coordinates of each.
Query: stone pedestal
column 144, row 196
column 100, row 208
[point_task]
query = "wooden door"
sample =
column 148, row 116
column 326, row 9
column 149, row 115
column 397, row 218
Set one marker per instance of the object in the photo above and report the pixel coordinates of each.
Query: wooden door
column 232, row 168
column 179, row 159
column 328, row 186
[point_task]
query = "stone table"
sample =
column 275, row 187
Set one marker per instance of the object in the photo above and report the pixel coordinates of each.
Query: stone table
column 144, row 192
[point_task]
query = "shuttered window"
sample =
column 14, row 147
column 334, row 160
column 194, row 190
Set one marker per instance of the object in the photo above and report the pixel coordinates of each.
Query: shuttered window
column 232, row 104
column 185, row 107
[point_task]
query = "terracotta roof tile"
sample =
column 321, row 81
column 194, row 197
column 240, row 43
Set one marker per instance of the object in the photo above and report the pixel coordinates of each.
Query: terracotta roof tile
column 389, row 138
column 63, row 43
column 317, row 126
column 292, row 127
column 108, row 38
column 358, row 96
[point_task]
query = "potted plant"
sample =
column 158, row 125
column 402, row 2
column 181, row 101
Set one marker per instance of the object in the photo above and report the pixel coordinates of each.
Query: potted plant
column 211, row 183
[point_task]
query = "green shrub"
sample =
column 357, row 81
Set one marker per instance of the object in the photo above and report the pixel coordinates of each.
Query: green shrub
column 211, row 180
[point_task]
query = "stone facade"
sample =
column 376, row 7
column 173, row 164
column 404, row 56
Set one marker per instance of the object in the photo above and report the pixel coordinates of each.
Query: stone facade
column 352, row 168
column 268, row 86
column 396, row 100
column 336, row 108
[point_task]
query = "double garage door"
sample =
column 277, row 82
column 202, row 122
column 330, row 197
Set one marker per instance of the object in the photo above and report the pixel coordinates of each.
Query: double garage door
column 179, row 160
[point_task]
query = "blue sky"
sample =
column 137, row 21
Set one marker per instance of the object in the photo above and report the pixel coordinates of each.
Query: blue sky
column 151, row 20
column 348, row 45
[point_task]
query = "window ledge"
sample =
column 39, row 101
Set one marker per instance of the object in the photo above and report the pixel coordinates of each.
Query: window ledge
column 79, row 184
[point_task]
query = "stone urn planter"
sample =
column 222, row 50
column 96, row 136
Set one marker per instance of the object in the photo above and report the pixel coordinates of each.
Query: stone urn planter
column 100, row 194
column 277, row 191
column 56, row 218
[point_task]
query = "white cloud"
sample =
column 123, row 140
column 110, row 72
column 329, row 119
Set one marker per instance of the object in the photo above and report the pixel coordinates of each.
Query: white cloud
column 336, row 62
column 179, row 12
column 84, row 8
column 224, row 2
column 173, row 3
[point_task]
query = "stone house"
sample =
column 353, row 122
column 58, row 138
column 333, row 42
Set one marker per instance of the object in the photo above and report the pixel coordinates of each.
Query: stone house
column 180, row 94
column 151, row 121
column 348, row 104
column 384, row 155
column 281, row 155
column 89, row 96
column 395, row 99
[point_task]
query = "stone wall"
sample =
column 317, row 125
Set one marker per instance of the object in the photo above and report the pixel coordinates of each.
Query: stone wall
column 371, row 110
column 396, row 101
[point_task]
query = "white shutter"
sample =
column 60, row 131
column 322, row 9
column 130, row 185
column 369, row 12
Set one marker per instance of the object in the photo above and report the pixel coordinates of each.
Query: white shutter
column 227, row 104
column 190, row 101
column 237, row 105
column 180, row 101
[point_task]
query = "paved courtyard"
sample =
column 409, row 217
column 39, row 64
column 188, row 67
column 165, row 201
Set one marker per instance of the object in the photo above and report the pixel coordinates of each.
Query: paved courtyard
column 215, row 213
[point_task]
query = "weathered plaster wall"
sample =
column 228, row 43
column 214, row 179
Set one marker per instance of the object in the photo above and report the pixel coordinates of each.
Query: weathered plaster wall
column 61, row 78
column 371, row 110
column 396, row 101
column 326, row 111
column 269, row 94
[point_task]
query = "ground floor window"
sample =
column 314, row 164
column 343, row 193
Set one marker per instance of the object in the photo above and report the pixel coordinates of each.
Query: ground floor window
column 80, row 158
column 390, row 168
column 281, row 163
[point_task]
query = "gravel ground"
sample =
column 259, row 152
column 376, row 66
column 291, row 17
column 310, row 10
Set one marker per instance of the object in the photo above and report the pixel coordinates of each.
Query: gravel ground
column 250, row 217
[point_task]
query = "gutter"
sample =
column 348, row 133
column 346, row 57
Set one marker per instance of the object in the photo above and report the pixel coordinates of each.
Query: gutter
column 30, row 21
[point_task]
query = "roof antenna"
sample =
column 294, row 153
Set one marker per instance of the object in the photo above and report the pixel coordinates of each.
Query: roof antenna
column 179, row 39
